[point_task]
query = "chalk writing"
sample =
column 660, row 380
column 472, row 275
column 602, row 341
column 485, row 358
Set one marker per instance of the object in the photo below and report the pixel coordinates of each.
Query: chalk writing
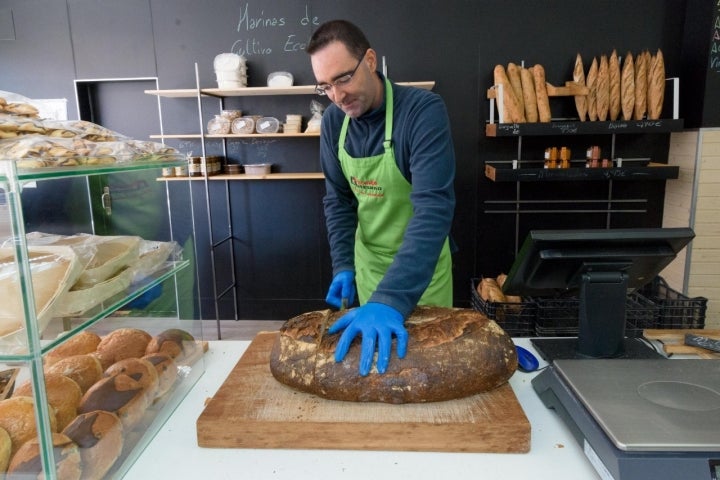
column 566, row 128
column 715, row 43
column 254, row 20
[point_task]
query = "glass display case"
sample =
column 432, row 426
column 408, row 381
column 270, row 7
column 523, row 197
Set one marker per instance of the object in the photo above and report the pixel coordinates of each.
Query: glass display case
column 98, row 337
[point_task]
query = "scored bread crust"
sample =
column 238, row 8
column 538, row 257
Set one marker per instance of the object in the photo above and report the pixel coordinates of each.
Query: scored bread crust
column 452, row 353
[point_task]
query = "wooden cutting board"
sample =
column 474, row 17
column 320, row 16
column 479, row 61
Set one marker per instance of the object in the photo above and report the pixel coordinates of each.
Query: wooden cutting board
column 253, row 410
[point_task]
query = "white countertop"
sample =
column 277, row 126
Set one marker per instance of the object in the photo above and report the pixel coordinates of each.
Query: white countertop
column 174, row 453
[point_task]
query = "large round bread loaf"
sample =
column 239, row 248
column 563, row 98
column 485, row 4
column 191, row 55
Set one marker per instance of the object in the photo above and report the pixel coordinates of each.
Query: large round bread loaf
column 452, row 353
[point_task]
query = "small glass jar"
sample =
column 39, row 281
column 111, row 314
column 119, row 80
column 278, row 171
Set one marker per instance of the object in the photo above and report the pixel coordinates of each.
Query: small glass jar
column 181, row 171
column 195, row 167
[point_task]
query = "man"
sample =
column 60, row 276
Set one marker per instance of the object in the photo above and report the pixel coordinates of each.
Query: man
column 387, row 155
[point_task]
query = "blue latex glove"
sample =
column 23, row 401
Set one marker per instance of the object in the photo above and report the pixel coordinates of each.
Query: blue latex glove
column 342, row 286
column 377, row 323
column 141, row 302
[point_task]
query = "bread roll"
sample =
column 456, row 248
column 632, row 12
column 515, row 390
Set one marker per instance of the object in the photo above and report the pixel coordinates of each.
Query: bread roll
column 99, row 437
column 166, row 369
column 581, row 101
column 26, row 463
column 5, row 449
column 614, row 85
column 627, row 90
column 139, row 370
column 508, row 298
column 641, row 66
column 656, row 87
column 490, row 291
column 175, row 342
column 528, row 90
column 512, row 113
column 543, row 103
column 63, row 394
column 513, row 73
column 603, row 89
column 84, row 369
column 119, row 394
column 122, row 343
column 81, row 343
column 452, row 353
column 592, row 90
column 17, row 417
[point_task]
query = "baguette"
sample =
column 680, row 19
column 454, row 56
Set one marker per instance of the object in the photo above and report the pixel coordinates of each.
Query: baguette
column 581, row 101
column 529, row 99
column 592, row 90
column 490, row 290
column 603, row 89
column 511, row 113
column 627, row 90
column 656, row 87
column 543, row 103
column 513, row 73
column 614, row 85
column 640, row 87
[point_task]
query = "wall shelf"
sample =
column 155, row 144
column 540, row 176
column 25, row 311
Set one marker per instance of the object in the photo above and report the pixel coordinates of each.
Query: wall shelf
column 653, row 171
column 582, row 128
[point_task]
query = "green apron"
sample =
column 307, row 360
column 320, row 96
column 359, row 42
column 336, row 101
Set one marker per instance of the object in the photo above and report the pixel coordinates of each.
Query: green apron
column 384, row 211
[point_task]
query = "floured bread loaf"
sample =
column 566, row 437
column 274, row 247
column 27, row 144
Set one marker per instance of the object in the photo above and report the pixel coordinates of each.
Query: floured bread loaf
column 452, row 353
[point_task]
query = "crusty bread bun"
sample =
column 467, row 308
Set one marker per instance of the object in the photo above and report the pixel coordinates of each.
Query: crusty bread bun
column 641, row 67
column 5, row 449
column 63, row 394
column 26, row 463
column 490, row 291
column 579, row 78
column 119, row 394
column 17, row 417
column 603, row 89
column 529, row 98
column 451, row 353
column 627, row 87
column 541, row 95
column 166, row 369
column 512, row 112
column 99, row 436
column 175, row 342
column 84, row 369
column 140, row 370
column 83, row 342
column 656, row 86
column 513, row 73
column 122, row 343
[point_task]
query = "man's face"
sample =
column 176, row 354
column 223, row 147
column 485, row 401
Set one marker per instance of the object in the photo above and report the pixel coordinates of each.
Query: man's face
column 332, row 64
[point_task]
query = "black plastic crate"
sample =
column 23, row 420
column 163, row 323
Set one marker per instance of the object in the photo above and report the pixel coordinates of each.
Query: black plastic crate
column 559, row 317
column 517, row 319
column 675, row 310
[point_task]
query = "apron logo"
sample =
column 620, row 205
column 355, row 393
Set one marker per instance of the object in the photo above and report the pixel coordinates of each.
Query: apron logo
column 368, row 188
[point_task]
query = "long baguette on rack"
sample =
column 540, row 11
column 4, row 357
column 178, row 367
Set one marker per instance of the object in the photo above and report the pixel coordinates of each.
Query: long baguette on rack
column 656, row 87
column 513, row 73
column 541, row 95
column 591, row 83
column 603, row 89
column 511, row 113
column 614, row 85
column 641, row 67
column 581, row 101
column 627, row 87
column 529, row 99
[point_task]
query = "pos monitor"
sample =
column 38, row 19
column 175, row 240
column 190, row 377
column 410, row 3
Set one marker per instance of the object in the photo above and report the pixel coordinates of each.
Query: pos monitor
column 601, row 266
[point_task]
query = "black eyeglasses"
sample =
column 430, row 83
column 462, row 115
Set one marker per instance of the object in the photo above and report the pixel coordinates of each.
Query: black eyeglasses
column 341, row 81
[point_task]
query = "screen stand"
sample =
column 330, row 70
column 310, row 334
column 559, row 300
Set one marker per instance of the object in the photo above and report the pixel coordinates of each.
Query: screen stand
column 601, row 323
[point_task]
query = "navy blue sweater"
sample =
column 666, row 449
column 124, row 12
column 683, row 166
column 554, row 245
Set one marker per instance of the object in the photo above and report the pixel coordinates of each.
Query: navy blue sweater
column 425, row 156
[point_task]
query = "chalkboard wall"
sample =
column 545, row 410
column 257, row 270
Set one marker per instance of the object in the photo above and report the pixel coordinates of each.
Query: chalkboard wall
column 281, row 255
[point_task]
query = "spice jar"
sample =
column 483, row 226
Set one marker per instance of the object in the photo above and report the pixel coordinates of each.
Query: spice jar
column 195, row 167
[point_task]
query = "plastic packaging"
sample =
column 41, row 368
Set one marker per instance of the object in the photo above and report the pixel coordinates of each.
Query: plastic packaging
column 280, row 79
column 267, row 125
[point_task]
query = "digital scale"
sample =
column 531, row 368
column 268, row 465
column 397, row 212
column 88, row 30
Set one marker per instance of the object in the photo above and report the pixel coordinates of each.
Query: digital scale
column 653, row 419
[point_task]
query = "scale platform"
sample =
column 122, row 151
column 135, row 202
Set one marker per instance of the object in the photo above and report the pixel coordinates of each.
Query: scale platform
column 640, row 418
